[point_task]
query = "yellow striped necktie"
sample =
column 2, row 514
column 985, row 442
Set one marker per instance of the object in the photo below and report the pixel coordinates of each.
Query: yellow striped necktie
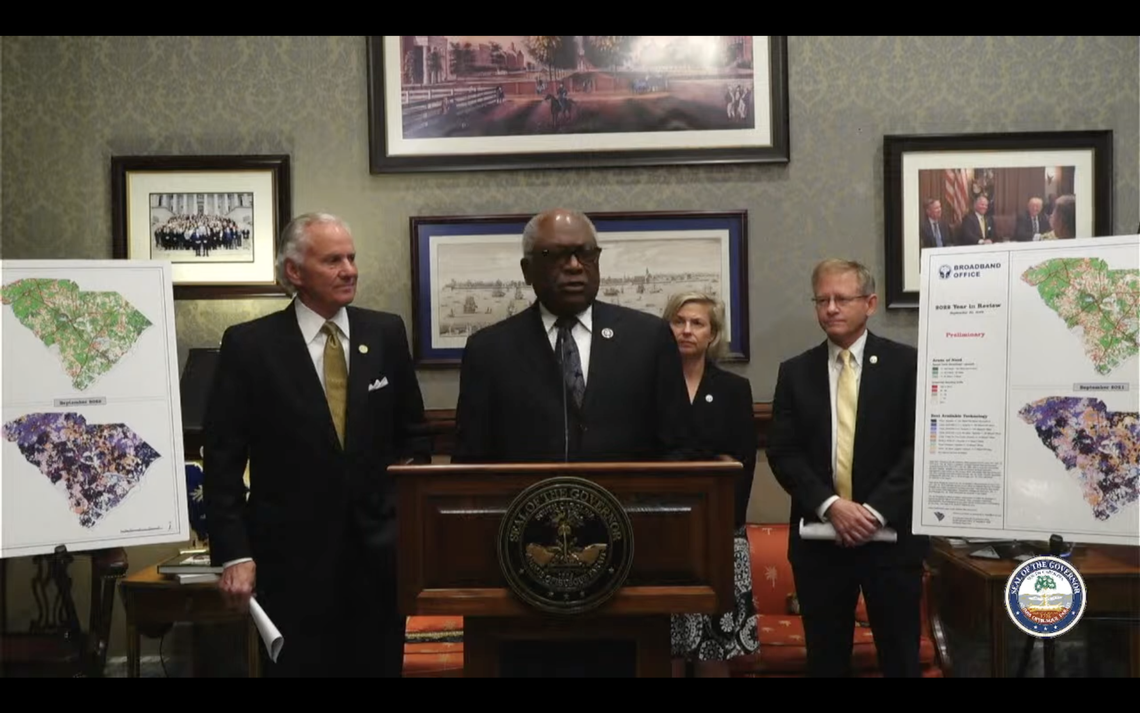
column 846, row 403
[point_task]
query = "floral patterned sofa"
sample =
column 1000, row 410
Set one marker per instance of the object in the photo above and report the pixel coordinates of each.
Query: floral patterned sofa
column 434, row 645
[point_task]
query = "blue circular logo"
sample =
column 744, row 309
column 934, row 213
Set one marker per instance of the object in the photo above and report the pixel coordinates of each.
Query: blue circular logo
column 1045, row 596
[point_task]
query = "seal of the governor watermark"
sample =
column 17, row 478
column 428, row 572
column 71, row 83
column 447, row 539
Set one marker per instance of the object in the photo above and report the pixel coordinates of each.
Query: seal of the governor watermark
column 565, row 545
column 1045, row 596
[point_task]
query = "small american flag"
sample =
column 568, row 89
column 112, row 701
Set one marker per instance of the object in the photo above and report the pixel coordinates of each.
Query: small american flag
column 955, row 189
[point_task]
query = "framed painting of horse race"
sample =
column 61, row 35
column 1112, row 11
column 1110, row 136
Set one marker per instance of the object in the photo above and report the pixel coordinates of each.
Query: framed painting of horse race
column 472, row 103
column 466, row 272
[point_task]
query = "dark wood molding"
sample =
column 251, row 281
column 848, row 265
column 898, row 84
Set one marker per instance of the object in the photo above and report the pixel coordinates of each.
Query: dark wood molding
column 441, row 426
column 762, row 418
column 441, row 429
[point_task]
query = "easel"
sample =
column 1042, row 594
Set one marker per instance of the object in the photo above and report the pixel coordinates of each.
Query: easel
column 1056, row 549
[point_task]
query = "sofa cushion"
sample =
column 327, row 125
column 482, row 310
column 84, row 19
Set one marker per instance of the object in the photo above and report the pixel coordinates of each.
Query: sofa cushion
column 772, row 580
column 782, row 649
column 433, row 647
column 421, row 629
column 773, row 585
column 433, row 660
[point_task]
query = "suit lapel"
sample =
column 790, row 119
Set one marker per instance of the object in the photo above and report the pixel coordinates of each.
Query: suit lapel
column 872, row 381
column 293, row 354
column 604, row 351
column 366, row 361
column 534, row 343
column 819, row 389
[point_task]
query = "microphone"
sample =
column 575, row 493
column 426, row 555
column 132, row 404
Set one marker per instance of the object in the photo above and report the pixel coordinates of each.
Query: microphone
column 562, row 380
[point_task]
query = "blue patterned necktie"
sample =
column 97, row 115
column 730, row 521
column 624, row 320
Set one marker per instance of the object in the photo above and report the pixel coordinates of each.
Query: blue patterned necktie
column 568, row 356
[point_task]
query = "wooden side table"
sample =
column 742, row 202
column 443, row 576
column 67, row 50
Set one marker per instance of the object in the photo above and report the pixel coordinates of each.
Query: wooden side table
column 155, row 601
column 973, row 591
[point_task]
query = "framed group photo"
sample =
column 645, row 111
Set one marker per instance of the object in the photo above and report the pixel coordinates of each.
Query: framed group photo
column 971, row 189
column 466, row 272
column 464, row 102
column 215, row 218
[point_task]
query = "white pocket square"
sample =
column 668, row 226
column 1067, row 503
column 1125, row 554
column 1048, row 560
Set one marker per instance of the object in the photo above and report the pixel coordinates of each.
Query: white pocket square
column 378, row 384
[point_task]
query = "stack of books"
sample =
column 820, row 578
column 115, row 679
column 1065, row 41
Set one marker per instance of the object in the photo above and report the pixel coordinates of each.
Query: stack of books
column 191, row 566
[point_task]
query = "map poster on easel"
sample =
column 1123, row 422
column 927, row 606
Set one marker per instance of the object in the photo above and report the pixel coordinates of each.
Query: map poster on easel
column 1028, row 405
column 91, row 423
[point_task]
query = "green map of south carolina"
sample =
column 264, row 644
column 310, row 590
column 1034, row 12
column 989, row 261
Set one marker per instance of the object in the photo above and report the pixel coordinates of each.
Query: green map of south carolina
column 1104, row 304
column 92, row 330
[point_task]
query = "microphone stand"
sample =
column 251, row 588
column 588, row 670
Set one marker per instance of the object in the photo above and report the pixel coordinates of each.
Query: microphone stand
column 562, row 380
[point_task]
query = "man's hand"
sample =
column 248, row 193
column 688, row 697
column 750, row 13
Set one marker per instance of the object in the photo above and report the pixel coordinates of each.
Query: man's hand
column 854, row 524
column 237, row 584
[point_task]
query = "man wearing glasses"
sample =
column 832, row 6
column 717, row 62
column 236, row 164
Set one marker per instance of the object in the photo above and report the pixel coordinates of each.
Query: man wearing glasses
column 570, row 379
column 842, row 445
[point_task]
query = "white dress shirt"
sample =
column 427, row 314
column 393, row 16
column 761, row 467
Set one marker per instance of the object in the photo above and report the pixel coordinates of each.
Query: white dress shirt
column 834, row 367
column 311, row 323
column 582, row 331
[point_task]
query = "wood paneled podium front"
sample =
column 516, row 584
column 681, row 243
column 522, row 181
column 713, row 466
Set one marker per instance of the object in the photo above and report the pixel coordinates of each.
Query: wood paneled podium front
column 680, row 514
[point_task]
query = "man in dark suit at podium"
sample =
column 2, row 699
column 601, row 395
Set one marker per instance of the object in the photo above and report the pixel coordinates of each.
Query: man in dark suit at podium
column 321, row 398
column 842, row 445
column 570, row 379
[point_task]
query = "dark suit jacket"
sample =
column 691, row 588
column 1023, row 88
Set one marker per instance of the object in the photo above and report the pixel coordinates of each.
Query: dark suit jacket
column 1023, row 230
column 726, row 426
column 970, row 232
column 306, row 492
column 513, row 408
column 926, row 234
column 799, row 448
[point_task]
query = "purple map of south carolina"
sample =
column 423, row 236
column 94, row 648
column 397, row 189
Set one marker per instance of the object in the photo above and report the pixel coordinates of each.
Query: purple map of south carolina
column 95, row 465
column 1102, row 446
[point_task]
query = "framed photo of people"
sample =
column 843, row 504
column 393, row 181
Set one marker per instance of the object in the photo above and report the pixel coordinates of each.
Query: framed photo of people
column 971, row 189
column 215, row 218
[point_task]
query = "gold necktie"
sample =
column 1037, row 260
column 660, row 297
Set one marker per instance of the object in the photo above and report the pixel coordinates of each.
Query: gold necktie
column 846, row 399
column 336, row 377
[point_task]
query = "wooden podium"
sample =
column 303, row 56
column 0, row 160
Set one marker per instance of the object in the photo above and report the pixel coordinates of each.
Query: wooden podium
column 682, row 560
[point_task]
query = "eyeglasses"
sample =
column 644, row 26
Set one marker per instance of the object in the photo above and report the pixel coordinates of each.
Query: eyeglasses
column 586, row 254
column 822, row 302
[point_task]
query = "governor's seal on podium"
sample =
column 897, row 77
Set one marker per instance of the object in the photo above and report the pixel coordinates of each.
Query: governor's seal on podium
column 565, row 545
column 1045, row 596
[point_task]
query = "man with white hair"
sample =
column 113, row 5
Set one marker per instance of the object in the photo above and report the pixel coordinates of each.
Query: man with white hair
column 1033, row 223
column 320, row 398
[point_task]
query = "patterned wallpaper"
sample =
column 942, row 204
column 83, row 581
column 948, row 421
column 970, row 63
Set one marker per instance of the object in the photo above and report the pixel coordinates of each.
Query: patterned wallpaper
column 70, row 103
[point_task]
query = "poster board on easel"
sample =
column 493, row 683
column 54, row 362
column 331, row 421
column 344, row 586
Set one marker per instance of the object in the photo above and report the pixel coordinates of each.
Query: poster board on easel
column 1028, row 398
column 92, row 427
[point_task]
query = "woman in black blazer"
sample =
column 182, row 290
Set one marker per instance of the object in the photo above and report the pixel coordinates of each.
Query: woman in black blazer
column 722, row 425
